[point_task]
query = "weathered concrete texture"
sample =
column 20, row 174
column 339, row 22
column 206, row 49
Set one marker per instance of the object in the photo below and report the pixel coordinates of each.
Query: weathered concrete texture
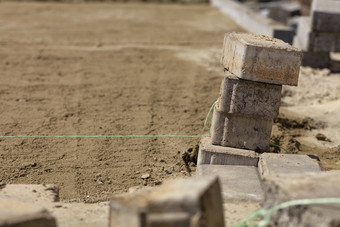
column 316, row 41
column 326, row 15
column 261, row 58
column 17, row 214
column 274, row 164
column 304, row 186
column 246, row 132
column 188, row 202
column 218, row 155
column 239, row 183
column 254, row 22
column 249, row 98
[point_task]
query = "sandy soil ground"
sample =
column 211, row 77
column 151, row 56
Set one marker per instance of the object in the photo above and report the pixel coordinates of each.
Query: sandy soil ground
column 128, row 69
column 104, row 69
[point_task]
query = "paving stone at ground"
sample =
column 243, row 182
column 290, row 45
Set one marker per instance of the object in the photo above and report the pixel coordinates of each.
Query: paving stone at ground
column 274, row 164
column 326, row 16
column 46, row 197
column 218, row 155
column 304, row 186
column 176, row 203
column 239, row 183
column 248, row 98
column 243, row 132
column 14, row 213
column 276, row 61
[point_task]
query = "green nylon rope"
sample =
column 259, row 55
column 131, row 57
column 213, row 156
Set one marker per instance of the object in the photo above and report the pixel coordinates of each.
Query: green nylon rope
column 266, row 213
column 108, row 136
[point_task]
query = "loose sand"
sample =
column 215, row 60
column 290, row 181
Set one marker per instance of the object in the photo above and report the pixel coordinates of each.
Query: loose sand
column 122, row 69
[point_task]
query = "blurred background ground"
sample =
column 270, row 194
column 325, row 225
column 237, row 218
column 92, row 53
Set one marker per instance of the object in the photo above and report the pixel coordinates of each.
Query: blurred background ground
column 122, row 69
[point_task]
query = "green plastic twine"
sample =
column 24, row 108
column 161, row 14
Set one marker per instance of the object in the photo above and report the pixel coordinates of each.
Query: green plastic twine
column 108, row 136
column 206, row 119
column 275, row 145
column 266, row 213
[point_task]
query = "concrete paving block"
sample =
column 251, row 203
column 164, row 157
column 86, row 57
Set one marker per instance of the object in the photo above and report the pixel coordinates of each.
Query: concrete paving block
column 316, row 41
column 239, row 183
column 218, row 155
column 31, row 193
column 249, row 98
column 317, row 185
column 177, row 202
column 17, row 214
column 273, row 164
column 260, row 58
column 246, row 132
column 326, row 16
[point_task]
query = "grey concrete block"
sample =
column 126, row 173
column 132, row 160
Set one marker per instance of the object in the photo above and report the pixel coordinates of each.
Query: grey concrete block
column 17, row 214
column 249, row 98
column 218, row 155
column 274, row 164
column 177, row 202
column 261, row 58
column 326, row 16
column 316, row 41
column 239, row 183
column 246, row 132
column 284, row 188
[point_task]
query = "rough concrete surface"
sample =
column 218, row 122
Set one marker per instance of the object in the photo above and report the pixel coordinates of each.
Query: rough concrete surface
column 239, row 183
column 218, row 155
column 276, row 61
column 248, row 98
column 325, row 16
column 275, row 164
column 246, row 132
column 304, row 186
column 177, row 202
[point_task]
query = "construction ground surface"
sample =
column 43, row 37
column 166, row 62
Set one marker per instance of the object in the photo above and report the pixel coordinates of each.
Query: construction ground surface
column 129, row 69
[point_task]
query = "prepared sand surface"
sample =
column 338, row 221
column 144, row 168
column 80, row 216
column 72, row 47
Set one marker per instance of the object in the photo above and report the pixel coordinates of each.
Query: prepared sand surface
column 123, row 69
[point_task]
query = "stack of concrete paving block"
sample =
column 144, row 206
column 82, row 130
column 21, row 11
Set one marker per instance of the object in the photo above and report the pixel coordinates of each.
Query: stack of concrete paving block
column 255, row 68
column 319, row 34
